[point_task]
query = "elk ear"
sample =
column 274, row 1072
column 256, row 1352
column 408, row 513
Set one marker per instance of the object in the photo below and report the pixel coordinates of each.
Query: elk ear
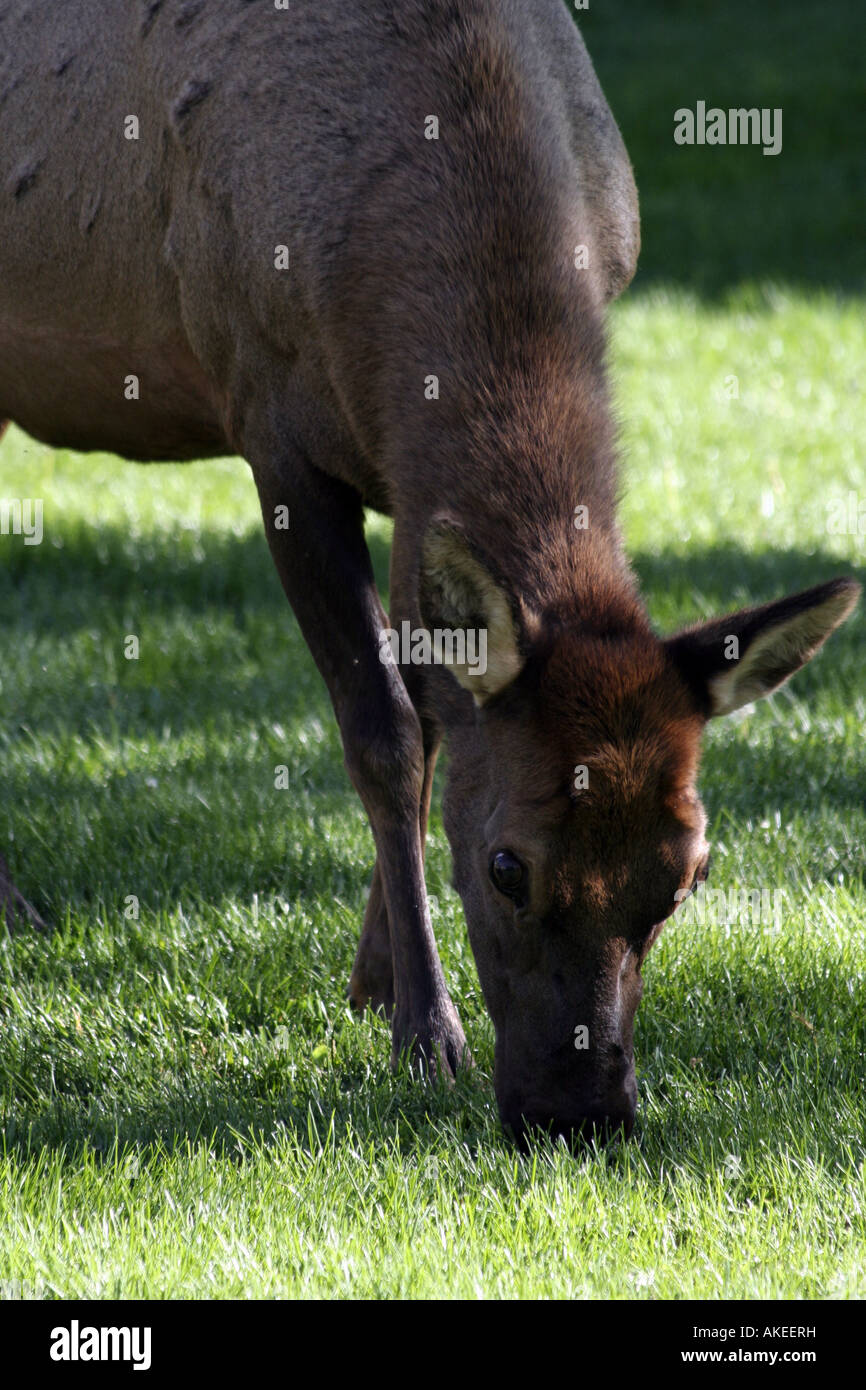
column 460, row 597
column 734, row 660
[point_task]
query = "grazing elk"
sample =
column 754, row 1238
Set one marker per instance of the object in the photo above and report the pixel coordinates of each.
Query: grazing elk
column 368, row 247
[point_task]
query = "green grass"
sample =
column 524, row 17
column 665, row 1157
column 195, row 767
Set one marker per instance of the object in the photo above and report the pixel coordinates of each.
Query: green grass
column 713, row 217
column 187, row 1106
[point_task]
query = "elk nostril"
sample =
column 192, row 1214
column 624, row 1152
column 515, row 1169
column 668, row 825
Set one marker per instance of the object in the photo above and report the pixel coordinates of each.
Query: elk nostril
column 621, row 1066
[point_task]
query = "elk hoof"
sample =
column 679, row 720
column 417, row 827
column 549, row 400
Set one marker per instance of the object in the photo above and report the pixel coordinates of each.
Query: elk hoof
column 369, row 991
column 435, row 1044
column 371, row 985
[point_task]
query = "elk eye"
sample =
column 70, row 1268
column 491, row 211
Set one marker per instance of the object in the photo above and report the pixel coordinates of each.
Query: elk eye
column 507, row 873
column 702, row 874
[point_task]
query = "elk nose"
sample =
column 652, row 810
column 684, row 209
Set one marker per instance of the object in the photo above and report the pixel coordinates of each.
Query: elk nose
column 613, row 1121
column 577, row 1124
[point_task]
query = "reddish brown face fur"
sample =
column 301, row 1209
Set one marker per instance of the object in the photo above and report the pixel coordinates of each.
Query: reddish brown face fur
column 601, row 864
column 576, row 829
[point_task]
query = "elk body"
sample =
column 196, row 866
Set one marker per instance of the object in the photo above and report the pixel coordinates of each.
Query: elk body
column 368, row 247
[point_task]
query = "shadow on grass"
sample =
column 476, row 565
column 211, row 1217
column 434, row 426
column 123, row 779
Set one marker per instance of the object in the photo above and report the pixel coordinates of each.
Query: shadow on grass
column 43, row 587
column 716, row 216
column 727, row 576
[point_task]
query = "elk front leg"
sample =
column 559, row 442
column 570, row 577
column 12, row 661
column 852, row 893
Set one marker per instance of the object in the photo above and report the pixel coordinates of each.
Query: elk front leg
column 372, row 981
column 325, row 569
